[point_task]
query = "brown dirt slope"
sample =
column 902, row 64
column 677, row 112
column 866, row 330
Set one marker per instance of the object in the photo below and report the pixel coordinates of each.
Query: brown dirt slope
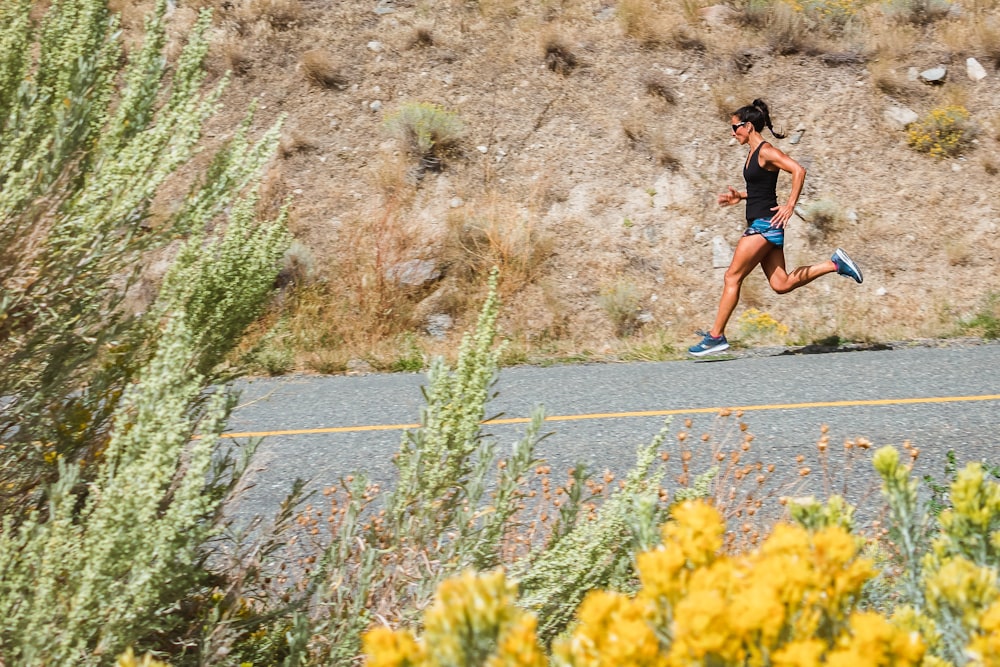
column 591, row 159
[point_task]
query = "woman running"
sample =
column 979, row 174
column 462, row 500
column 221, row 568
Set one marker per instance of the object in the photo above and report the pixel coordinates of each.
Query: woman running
column 765, row 234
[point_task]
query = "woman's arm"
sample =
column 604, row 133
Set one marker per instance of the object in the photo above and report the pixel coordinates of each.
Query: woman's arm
column 775, row 157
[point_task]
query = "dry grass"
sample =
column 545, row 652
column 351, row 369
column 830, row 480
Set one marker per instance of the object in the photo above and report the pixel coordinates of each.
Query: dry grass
column 986, row 38
column 620, row 300
column 559, row 57
column 646, row 21
column 422, row 37
column 788, row 31
column 958, row 252
column 887, row 78
column 498, row 233
column 294, row 142
column 321, row 68
column 279, row 14
column 658, row 85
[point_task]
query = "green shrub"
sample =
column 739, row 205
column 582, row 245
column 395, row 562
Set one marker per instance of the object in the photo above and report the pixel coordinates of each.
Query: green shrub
column 109, row 497
column 943, row 132
column 917, row 12
column 621, row 302
column 428, row 130
column 987, row 321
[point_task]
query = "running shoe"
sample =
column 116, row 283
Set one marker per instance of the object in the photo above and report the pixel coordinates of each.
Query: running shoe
column 709, row 344
column 846, row 265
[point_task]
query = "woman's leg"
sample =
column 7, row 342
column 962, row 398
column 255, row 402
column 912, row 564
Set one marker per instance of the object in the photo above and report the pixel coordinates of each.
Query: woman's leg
column 773, row 264
column 749, row 252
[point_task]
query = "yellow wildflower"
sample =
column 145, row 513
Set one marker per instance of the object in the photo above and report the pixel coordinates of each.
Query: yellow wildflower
column 963, row 588
column 613, row 631
column 387, row 648
column 800, row 653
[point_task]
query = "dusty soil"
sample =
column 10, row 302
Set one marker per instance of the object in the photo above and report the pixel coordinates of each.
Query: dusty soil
column 614, row 184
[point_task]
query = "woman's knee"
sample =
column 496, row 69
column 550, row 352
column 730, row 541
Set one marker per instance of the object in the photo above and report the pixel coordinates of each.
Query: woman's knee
column 733, row 278
column 781, row 286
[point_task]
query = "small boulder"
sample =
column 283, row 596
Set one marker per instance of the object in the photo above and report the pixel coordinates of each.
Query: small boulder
column 934, row 76
column 413, row 272
column 438, row 325
column 900, row 117
column 975, row 71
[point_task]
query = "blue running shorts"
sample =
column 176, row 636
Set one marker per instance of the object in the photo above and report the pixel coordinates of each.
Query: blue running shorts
column 763, row 226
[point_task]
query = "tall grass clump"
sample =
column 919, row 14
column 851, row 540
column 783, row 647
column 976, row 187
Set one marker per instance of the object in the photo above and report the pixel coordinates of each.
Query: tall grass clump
column 429, row 131
column 621, row 301
column 107, row 498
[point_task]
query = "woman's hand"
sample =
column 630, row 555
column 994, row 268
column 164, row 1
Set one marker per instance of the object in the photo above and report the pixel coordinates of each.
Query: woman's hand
column 782, row 215
column 730, row 198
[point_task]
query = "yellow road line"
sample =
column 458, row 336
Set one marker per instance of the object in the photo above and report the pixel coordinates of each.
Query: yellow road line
column 646, row 413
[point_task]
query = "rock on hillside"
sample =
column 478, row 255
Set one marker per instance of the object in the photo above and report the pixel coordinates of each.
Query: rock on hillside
column 598, row 156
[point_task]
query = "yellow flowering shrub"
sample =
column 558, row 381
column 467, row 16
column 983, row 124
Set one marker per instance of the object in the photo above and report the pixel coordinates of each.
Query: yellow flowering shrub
column 757, row 325
column 834, row 12
column 473, row 621
column 984, row 650
column 128, row 659
column 943, row 132
column 791, row 602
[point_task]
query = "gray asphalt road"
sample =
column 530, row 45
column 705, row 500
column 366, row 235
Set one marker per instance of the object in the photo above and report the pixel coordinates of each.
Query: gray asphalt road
column 600, row 413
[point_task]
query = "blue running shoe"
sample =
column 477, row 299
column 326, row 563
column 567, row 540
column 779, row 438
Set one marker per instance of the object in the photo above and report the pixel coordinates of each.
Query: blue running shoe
column 708, row 345
column 846, row 265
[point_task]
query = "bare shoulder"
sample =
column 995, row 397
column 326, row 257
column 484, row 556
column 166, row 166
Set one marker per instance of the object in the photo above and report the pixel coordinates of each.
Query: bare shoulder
column 772, row 155
column 771, row 152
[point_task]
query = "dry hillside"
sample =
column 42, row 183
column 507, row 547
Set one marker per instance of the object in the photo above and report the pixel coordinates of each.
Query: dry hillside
column 595, row 137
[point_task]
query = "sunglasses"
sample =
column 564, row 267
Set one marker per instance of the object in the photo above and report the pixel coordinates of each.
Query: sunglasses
column 736, row 127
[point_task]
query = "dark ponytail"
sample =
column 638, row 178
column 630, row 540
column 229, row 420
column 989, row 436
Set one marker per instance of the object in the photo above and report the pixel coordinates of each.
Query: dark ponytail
column 756, row 113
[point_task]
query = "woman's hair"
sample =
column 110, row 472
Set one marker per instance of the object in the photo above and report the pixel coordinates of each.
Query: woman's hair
column 756, row 113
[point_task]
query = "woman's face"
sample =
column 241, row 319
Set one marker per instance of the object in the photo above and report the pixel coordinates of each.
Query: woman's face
column 741, row 130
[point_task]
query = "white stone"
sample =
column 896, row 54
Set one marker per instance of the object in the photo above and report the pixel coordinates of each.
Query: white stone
column 900, row 117
column 482, row 149
column 975, row 71
column 375, row 106
column 881, row 291
column 456, row 202
column 413, row 272
column 375, row 46
column 956, row 167
column 722, row 254
column 934, row 75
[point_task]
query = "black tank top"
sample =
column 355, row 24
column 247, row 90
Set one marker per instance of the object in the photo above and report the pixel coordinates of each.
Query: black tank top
column 761, row 188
